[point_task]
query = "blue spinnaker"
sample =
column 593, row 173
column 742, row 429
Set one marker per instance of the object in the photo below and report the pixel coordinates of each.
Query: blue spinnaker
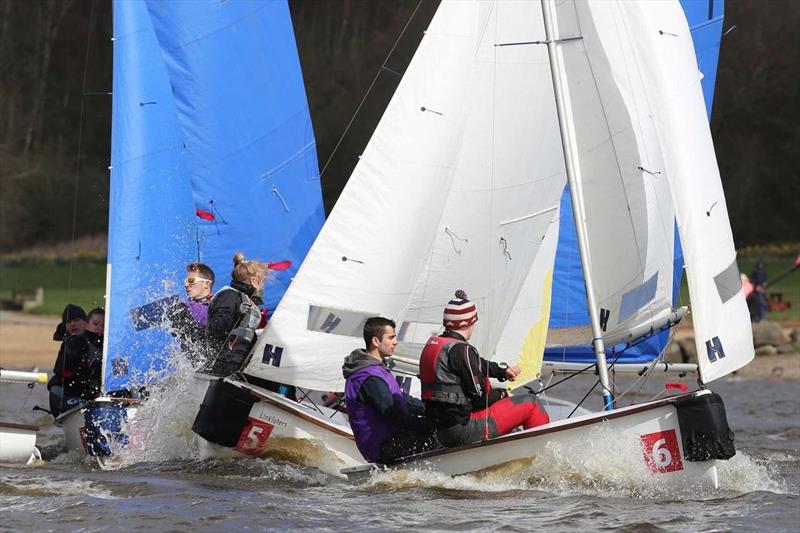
column 568, row 305
column 213, row 152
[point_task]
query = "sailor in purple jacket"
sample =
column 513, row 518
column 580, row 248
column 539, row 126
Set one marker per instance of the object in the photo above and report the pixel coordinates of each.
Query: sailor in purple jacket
column 387, row 424
column 198, row 284
column 190, row 318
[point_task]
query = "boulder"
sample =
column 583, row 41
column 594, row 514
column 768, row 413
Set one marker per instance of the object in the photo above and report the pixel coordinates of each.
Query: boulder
column 788, row 348
column 794, row 337
column 768, row 333
column 672, row 353
column 687, row 350
column 767, row 349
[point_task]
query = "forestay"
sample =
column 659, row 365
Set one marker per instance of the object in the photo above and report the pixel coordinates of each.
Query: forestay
column 723, row 333
column 456, row 189
column 212, row 152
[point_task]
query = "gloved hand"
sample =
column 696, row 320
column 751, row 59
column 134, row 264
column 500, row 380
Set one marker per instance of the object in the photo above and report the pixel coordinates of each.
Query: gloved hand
column 245, row 308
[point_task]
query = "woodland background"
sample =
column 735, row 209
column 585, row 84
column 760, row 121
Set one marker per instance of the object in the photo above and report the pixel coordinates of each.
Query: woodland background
column 55, row 107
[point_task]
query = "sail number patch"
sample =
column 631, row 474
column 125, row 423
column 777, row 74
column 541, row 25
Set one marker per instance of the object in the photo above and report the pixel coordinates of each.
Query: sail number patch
column 661, row 452
column 254, row 436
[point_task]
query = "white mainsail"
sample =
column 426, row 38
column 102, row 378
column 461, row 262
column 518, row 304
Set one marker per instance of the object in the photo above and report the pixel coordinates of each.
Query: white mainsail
column 456, row 189
column 664, row 52
column 459, row 188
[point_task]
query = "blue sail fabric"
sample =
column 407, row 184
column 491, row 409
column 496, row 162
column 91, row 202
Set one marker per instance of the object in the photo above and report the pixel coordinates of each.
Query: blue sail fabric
column 213, row 152
column 568, row 304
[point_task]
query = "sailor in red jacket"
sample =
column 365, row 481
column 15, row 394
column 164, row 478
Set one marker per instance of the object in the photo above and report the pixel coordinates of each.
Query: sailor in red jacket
column 459, row 399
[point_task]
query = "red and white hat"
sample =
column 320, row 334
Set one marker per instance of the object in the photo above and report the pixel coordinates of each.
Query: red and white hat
column 459, row 312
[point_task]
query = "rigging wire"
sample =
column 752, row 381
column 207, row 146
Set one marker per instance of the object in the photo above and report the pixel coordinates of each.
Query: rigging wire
column 80, row 139
column 369, row 89
column 77, row 177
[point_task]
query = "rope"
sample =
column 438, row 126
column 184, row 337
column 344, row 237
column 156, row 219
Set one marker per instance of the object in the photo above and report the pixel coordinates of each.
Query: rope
column 371, row 85
column 77, row 182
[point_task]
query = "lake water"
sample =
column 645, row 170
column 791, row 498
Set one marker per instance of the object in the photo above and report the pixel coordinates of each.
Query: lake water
column 586, row 487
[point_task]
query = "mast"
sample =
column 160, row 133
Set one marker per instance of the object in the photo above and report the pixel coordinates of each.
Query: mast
column 107, row 295
column 568, row 145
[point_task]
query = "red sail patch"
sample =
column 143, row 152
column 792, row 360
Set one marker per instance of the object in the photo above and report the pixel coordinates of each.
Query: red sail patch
column 205, row 215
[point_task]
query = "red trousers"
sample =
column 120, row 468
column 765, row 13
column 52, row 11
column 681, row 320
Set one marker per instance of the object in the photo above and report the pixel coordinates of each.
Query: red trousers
column 500, row 418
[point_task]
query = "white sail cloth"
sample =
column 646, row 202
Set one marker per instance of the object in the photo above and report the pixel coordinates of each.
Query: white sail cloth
column 628, row 218
column 456, row 189
column 723, row 334
column 460, row 183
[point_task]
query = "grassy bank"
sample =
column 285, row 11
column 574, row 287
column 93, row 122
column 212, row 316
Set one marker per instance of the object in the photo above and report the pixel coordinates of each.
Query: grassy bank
column 81, row 283
column 84, row 284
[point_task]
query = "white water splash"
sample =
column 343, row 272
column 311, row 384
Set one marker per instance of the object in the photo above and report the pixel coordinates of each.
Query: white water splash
column 161, row 429
column 602, row 465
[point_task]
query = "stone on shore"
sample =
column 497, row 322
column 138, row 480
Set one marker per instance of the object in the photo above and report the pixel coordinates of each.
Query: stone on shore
column 768, row 333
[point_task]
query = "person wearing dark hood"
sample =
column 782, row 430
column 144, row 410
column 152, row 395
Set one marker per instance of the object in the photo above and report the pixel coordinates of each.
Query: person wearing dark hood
column 380, row 413
column 73, row 322
column 459, row 399
column 81, row 366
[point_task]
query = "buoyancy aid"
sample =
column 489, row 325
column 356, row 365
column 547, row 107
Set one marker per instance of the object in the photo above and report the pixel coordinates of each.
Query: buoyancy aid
column 438, row 382
column 241, row 338
column 369, row 428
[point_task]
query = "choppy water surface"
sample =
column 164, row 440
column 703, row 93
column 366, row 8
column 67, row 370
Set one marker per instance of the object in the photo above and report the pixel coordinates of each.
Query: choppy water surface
column 565, row 490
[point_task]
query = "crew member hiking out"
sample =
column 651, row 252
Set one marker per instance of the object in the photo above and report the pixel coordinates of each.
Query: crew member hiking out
column 459, row 399
column 190, row 317
column 386, row 422
column 234, row 314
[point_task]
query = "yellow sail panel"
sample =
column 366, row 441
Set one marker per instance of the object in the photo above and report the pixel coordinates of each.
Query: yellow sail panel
column 532, row 350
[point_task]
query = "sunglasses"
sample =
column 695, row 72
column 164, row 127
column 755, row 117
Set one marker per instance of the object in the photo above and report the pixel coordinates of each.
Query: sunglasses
column 191, row 280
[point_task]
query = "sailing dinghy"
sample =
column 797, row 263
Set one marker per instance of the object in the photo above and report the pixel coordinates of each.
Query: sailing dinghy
column 460, row 187
column 18, row 441
column 213, row 152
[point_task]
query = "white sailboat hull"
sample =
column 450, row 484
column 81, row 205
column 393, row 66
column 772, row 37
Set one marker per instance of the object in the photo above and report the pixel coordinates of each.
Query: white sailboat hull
column 73, row 421
column 17, row 443
column 300, row 432
column 648, row 436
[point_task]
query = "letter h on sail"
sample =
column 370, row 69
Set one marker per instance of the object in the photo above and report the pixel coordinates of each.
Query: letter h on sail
column 272, row 354
column 714, row 349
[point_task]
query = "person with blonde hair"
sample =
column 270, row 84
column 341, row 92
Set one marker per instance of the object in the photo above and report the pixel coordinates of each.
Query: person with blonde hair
column 234, row 314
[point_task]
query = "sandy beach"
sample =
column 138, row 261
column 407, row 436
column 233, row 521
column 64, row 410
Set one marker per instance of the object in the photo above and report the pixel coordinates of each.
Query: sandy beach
column 26, row 341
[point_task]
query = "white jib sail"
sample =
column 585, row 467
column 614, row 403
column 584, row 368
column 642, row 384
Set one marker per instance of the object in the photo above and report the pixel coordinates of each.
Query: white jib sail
column 456, row 189
column 665, row 54
column 629, row 217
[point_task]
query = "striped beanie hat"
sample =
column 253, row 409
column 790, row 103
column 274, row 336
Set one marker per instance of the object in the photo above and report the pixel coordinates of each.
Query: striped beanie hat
column 459, row 312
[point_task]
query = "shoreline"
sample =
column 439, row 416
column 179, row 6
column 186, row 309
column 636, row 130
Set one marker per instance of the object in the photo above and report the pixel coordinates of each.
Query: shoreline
column 26, row 343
